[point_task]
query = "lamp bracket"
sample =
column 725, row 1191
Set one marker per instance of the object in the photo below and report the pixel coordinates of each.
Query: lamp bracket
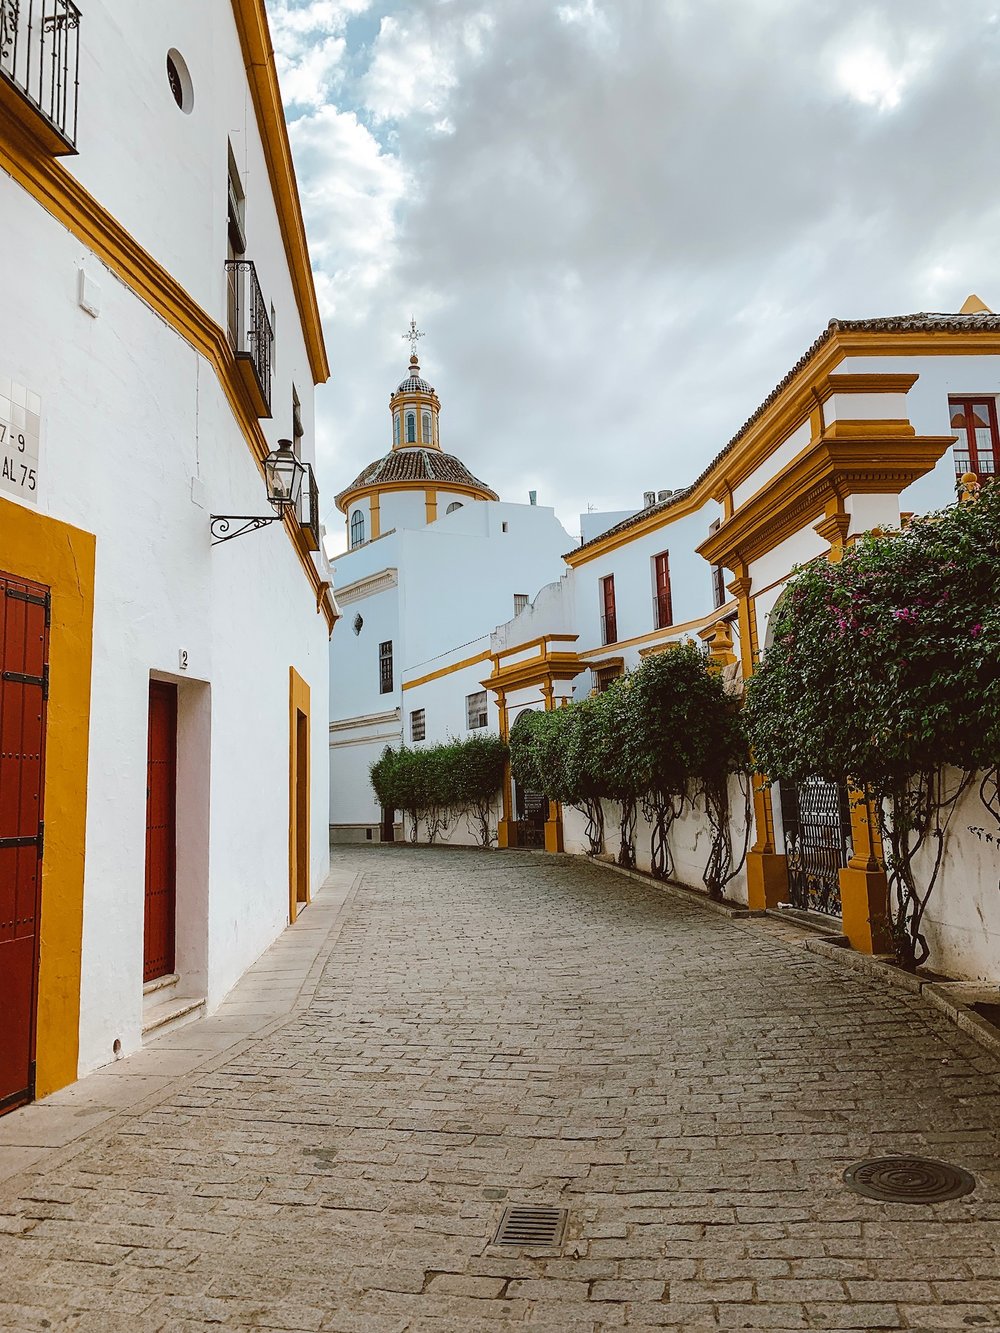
column 221, row 524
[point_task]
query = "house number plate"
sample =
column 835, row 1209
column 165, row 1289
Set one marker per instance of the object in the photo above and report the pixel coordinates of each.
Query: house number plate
column 20, row 420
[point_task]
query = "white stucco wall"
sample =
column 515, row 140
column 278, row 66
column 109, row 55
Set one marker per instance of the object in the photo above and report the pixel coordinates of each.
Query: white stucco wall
column 131, row 417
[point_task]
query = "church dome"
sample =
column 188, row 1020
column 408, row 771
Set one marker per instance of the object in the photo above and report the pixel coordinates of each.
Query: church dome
column 419, row 466
column 413, row 383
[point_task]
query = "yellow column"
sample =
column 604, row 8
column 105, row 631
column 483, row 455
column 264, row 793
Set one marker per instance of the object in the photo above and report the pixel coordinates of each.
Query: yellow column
column 376, row 515
column 767, row 875
column 430, row 503
column 507, row 827
column 553, row 825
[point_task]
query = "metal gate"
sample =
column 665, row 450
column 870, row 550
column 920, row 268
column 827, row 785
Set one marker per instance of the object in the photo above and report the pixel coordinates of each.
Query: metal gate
column 817, row 824
column 24, row 690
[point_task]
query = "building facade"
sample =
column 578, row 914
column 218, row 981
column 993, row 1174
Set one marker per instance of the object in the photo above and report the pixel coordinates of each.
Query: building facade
column 434, row 560
column 877, row 421
column 163, row 698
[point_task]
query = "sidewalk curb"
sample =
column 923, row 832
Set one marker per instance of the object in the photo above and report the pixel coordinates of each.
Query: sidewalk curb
column 877, row 967
column 12, row 1186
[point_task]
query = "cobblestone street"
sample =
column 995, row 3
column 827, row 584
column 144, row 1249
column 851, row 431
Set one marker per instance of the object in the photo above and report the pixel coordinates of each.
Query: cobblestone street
column 443, row 1033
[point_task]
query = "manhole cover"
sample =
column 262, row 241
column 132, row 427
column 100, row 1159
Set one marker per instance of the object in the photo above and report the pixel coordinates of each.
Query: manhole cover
column 526, row 1224
column 908, row 1180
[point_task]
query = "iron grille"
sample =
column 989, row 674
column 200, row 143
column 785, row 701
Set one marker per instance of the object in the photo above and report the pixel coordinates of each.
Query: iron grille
column 249, row 326
column 609, row 628
column 40, row 56
column 531, row 1225
column 817, row 828
column 662, row 613
column 418, row 727
column 385, row 667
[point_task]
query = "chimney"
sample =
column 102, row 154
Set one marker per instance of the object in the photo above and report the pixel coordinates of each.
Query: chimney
column 663, row 495
column 648, row 498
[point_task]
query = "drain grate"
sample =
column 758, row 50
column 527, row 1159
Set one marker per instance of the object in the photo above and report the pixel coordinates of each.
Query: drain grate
column 528, row 1224
column 908, row 1180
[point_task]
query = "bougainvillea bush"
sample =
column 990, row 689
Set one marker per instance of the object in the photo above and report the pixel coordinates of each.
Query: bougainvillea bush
column 884, row 672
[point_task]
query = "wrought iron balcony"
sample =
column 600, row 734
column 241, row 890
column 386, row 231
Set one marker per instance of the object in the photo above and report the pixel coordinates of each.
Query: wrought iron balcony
column 309, row 508
column 663, row 614
column 249, row 332
column 609, row 627
column 40, row 69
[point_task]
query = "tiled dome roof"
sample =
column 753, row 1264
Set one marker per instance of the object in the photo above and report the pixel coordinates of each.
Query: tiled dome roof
column 414, row 384
column 417, row 465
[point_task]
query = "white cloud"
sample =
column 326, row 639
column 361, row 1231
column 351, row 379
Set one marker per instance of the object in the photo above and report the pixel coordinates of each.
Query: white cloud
column 621, row 223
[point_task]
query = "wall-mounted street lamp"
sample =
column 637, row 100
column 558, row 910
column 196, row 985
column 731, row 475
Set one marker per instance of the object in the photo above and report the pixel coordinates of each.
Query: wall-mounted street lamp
column 283, row 475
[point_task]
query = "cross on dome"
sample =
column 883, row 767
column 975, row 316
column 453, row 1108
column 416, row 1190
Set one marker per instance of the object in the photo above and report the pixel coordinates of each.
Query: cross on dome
column 411, row 336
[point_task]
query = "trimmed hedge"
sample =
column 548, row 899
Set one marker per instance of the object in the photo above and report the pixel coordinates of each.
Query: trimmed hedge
column 441, row 783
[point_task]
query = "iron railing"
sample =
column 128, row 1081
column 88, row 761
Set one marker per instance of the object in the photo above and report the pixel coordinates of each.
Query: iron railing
column 609, row 627
column 309, row 507
column 663, row 614
column 249, row 327
column 40, row 56
column 985, row 466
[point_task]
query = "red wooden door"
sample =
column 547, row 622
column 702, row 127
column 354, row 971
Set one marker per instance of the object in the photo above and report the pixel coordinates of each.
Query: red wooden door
column 664, row 610
column 609, row 619
column 161, row 831
column 24, row 676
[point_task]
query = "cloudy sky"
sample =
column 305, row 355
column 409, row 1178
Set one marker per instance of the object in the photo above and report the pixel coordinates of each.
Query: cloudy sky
column 619, row 222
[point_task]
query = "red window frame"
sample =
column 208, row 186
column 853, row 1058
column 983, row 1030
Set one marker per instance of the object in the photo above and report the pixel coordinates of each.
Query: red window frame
column 967, row 449
column 609, row 615
column 662, row 601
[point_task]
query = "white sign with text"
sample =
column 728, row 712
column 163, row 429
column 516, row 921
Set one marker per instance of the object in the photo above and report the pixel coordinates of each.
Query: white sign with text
column 20, row 428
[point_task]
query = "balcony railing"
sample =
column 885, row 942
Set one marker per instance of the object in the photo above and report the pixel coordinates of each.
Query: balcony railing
column 309, row 508
column 984, row 467
column 662, row 612
column 609, row 628
column 249, row 331
column 40, row 69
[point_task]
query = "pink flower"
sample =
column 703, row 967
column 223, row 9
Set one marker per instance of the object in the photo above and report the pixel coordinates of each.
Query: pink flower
column 976, row 631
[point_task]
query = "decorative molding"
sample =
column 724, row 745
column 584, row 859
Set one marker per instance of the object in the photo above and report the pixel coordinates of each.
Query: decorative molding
column 383, row 739
column 367, row 720
column 367, row 586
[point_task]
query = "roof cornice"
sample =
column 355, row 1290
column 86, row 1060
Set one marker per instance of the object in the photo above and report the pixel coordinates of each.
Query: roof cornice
column 262, row 76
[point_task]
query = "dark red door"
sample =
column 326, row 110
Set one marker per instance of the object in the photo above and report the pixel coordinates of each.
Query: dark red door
column 161, row 831
column 24, row 676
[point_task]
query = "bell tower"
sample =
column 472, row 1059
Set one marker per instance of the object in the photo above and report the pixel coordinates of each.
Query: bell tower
column 414, row 405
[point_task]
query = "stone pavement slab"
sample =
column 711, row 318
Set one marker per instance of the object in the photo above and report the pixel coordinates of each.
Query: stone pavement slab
column 469, row 1030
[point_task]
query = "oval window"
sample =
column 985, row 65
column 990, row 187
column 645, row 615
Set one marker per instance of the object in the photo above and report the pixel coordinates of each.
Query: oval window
column 179, row 78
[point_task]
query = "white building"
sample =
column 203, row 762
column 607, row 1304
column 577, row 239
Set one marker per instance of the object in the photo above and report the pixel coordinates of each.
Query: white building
column 435, row 559
column 162, row 699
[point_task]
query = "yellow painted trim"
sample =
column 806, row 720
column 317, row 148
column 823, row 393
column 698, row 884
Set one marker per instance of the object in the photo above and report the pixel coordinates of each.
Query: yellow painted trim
column 376, row 516
column 258, row 58
column 542, row 670
column 346, row 498
column 298, row 702
column 661, row 635
column 536, row 643
column 794, row 405
column 66, row 200
column 34, row 546
column 430, row 504
column 447, row 671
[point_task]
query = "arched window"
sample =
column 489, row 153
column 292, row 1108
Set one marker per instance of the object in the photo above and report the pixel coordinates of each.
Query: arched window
column 411, row 428
column 357, row 528
column 455, row 504
column 427, row 428
column 395, row 428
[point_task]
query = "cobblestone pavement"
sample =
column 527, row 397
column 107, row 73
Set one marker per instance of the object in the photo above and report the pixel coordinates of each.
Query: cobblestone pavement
column 478, row 1029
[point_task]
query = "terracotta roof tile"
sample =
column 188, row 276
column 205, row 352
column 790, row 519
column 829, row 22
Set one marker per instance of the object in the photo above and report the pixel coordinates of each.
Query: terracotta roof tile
column 416, row 465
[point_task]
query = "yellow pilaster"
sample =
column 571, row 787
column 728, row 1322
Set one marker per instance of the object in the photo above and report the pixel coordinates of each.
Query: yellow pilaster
column 430, row 503
column 553, row 824
column 767, row 876
column 376, row 516
column 506, row 830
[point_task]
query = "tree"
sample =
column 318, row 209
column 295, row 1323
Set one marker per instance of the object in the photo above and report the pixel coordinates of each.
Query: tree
column 884, row 671
column 620, row 729
column 439, row 783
